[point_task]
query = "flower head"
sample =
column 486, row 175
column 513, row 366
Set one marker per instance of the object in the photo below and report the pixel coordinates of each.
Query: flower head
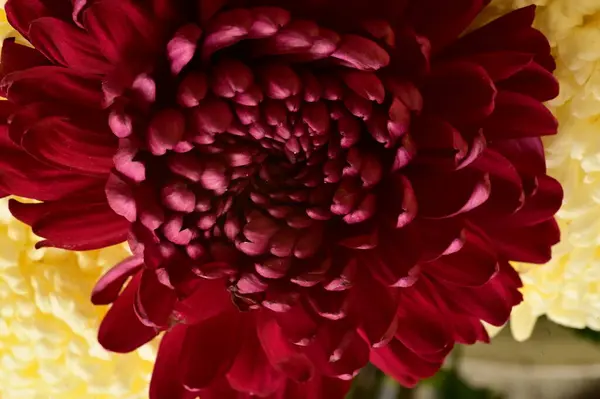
column 304, row 186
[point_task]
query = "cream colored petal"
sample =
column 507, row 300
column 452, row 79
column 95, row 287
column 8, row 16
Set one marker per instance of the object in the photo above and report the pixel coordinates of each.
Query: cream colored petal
column 492, row 330
column 522, row 322
column 48, row 327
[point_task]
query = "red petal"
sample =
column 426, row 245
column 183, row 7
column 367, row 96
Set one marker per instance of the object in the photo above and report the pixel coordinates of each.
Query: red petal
column 527, row 244
column 21, row 13
column 44, row 184
column 511, row 32
column 317, row 388
column 53, row 84
column 473, row 265
column 501, row 65
column 460, row 92
column 463, row 191
column 109, row 286
column 221, row 389
column 226, row 29
column 366, row 85
column 154, row 301
column 67, row 45
column 379, row 327
column 26, row 177
column 507, row 192
column 468, row 330
column 394, row 260
column 491, row 302
column 422, row 327
column 208, row 299
column 16, row 57
column 440, row 236
column 66, row 145
column 360, row 53
column 209, row 349
column 280, row 352
column 339, row 351
column 120, row 198
column 439, row 144
column 74, row 224
column 182, row 47
column 518, row 116
column 166, row 382
column 252, row 372
column 297, row 324
column 534, row 81
column 526, row 154
column 542, row 205
column 121, row 331
column 441, row 21
column 397, row 361
column 120, row 29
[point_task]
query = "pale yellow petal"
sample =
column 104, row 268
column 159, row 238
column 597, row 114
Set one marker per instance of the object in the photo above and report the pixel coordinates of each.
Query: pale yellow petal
column 522, row 321
column 48, row 327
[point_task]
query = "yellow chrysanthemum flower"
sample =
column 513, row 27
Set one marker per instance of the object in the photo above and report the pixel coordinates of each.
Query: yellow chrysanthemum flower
column 567, row 289
column 48, row 346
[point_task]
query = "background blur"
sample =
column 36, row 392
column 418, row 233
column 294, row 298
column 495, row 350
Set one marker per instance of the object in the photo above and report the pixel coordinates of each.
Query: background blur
column 555, row 363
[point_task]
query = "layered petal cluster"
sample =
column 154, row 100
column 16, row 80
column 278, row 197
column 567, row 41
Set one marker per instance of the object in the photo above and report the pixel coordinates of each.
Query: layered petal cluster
column 304, row 187
column 48, row 344
column 567, row 289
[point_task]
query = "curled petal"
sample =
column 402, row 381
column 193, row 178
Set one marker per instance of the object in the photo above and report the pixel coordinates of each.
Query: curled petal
column 109, row 286
column 121, row 330
column 209, row 350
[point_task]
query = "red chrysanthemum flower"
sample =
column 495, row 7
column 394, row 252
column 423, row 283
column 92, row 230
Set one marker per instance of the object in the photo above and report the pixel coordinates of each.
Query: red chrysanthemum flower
column 305, row 186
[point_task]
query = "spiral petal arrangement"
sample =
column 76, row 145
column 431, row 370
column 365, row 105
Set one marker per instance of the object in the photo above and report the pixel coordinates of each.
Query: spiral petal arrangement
column 304, row 187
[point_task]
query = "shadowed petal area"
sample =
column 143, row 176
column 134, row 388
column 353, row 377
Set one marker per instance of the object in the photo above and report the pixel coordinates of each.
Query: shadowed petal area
column 121, row 330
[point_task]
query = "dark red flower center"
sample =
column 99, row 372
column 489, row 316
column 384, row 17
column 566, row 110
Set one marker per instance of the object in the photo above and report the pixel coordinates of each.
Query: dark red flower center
column 270, row 151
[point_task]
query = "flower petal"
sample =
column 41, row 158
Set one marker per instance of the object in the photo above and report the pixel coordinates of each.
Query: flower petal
column 491, row 302
column 535, row 81
column 120, row 29
column 121, row 330
column 397, row 361
column 422, row 327
column 378, row 327
column 441, row 21
column 518, row 116
column 252, row 372
column 462, row 191
column 461, row 92
column 280, row 352
column 208, row 298
column 53, row 84
column 209, row 349
column 17, row 57
column 166, row 382
column 65, row 145
column 528, row 243
column 22, row 15
column 154, row 301
column 473, row 265
column 109, row 286
column 66, row 45
column 76, row 224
